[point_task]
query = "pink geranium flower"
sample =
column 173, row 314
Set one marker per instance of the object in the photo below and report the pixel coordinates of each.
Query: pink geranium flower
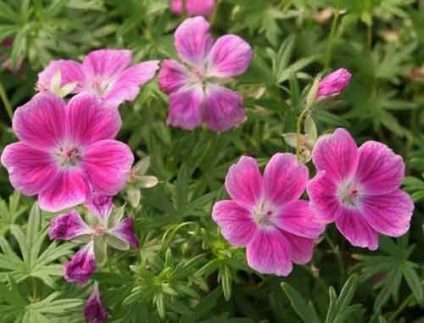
column 266, row 215
column 94, row 311
column 358, row 188
column 105, row 73
column 195, row 94
column 334, row 83
column 193, row 7
column 66, row 151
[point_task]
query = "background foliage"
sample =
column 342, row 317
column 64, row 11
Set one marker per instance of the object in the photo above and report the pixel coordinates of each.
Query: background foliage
column 185, row 271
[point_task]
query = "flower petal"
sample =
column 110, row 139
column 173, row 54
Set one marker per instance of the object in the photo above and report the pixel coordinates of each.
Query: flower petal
column 224, row 108
column 297, row 218
column 285, row 179
column 70, row 72
column 269, row 253
column 244, row 182
column 124, row 231
column 94, row 311
column 81, row 266
column 354, row 227
column 41, row 121
column 68, row 226
column 99, row 205
column 107, row 164
column 172, row 76
column 68, row 189
column 89, row 121
column 193, row 41
column 107, row 62
column 185, row 108
column 322, row 192
column 380, row 170
column 301, row 248
column 230, row 56
column 30, row 170
column 389, row 214
column 236, row 222
column 337, row 154
column 127, row 85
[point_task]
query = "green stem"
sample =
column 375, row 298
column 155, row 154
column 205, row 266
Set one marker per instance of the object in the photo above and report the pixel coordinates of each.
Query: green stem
column 33, row 290
column 400, row 308
column 369, row 37
column 332, row 36
column 336, row 251
column 6, row 101
column 299, row 130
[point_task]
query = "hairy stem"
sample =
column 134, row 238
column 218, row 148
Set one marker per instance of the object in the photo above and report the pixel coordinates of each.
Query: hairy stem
column 332, row 36
column 6, row 101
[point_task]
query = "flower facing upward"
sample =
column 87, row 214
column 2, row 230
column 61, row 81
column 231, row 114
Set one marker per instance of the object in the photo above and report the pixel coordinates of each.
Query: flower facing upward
column 193, row 7
column 105, row 73
column 195, row 94
column 94, row 311
column 66, row 150
column 334, row 83
column 358, row 188
column 266, row 215
column 82, row 265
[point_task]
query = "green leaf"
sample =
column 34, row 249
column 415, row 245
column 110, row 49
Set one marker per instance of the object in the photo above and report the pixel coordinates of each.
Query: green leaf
column 304, row 309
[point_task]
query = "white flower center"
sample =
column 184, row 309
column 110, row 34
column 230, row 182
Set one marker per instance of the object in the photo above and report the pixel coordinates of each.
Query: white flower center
column 349, row 193
column 100, row 85
column 68, row 157
column 263, row 214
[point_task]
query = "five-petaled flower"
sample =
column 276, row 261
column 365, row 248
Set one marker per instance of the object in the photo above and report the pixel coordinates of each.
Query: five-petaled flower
column 66, row 150
column 358, row 188
column 70, row 226
column 94, row 311
column 266, row 215
column 195, row 94
column 105, row 73
column 193, row 7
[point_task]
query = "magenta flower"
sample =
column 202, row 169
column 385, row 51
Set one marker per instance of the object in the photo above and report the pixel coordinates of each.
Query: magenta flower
column 266, row 215
column 105, row 73
column 68, row 226
column 195, row 95
column 94, row 311
column 358, row 188
column 334, row 83
column 81, row 266
column 66, row 151
column 193, row 7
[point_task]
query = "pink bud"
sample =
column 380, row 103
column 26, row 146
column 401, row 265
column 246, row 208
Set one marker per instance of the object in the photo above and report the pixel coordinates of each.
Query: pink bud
column 334, row 83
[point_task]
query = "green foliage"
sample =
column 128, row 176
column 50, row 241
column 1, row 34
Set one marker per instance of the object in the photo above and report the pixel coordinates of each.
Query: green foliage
column 184, row 270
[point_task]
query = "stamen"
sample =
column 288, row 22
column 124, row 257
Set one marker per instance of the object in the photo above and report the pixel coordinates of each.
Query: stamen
column 262, row 214
column 349, row 193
